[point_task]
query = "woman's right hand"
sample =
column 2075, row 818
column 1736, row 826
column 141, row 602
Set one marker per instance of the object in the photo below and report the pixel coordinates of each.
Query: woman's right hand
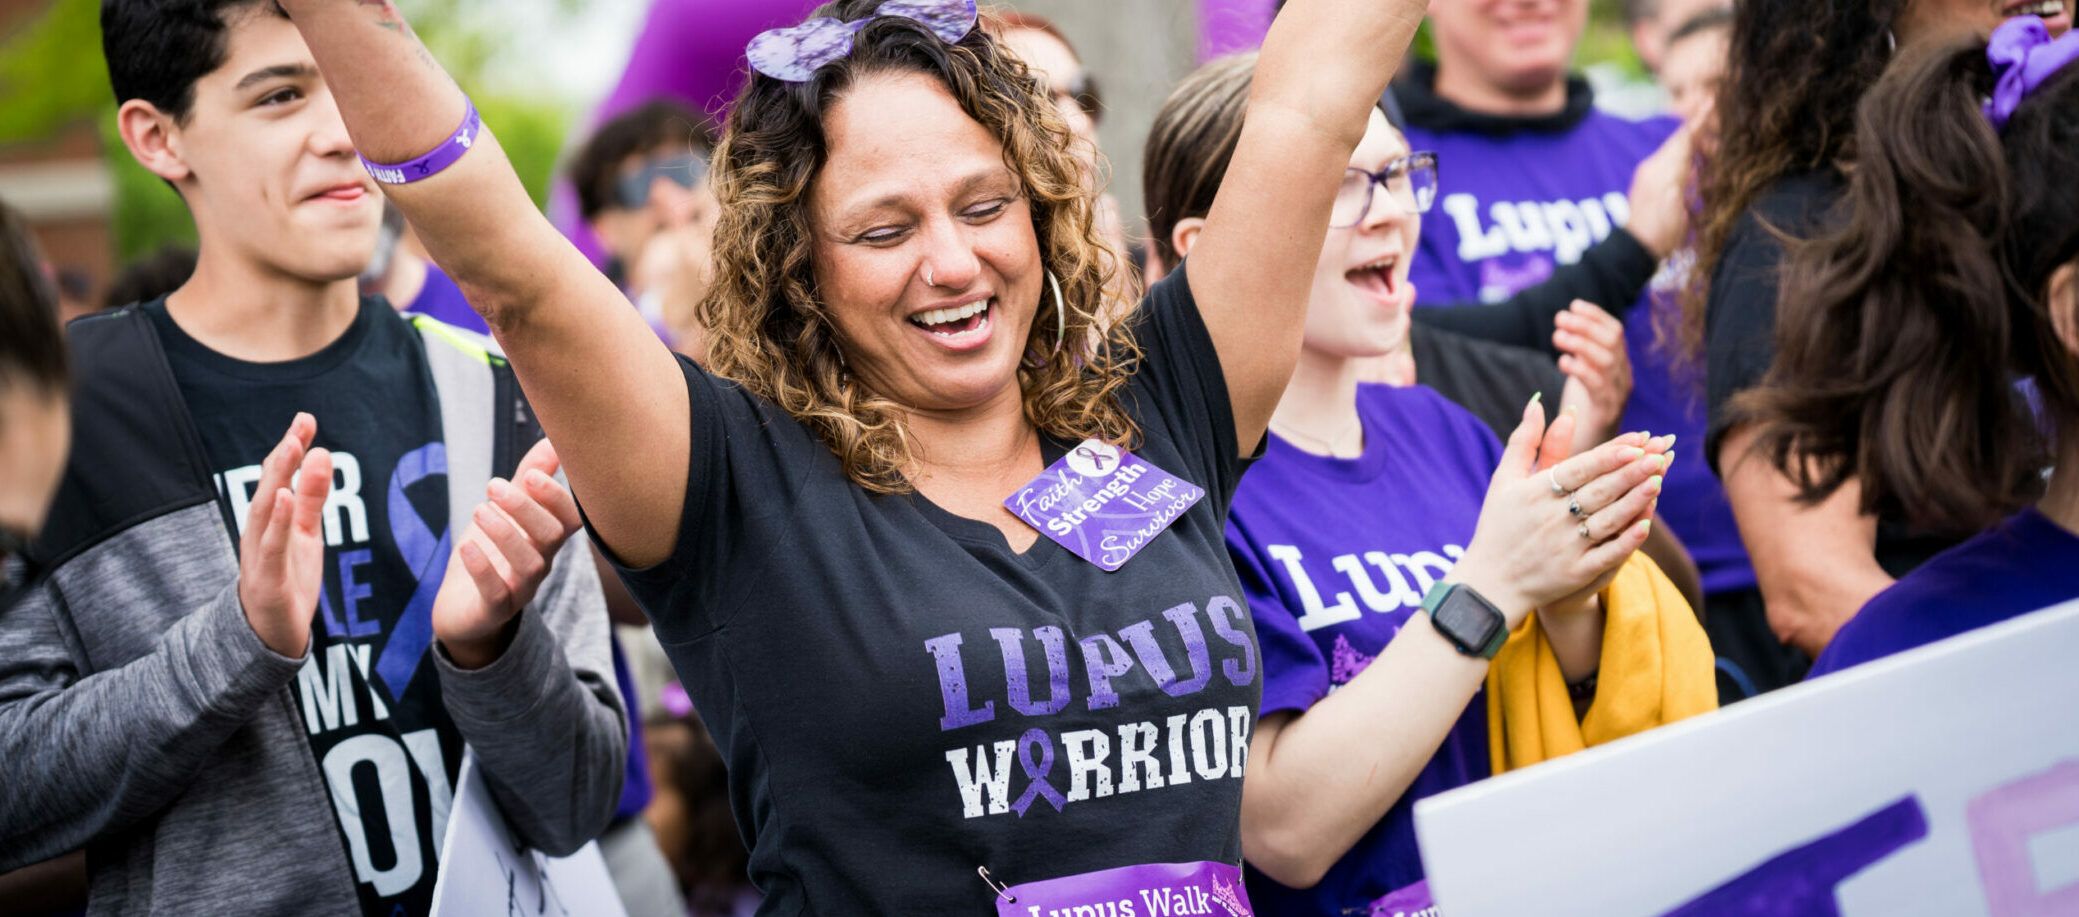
column 1528, row 548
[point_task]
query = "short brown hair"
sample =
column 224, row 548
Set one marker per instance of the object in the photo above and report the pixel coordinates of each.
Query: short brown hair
column 32, row 352
column 655, row 125
column 1189, row 147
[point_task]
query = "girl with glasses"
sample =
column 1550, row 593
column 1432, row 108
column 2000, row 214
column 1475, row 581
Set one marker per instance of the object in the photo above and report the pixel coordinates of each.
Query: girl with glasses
column 938, row 557
column 1390, row 547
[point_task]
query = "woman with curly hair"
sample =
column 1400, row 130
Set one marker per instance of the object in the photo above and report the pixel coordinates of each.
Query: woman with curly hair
column 836, row 526
column 1956, row 270
column 1774, row 174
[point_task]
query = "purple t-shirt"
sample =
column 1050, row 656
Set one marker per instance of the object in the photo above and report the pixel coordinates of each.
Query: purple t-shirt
column 2023, row 564
column 441, row 299
column 1329, row 587
column 1515, row 206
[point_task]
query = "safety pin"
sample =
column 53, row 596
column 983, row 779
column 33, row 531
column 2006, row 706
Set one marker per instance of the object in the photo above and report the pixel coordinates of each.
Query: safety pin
column 1002, row 891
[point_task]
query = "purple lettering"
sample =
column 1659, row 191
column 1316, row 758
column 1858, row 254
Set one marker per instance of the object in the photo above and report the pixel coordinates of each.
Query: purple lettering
column 952, row 684
column 1012, row 641
column 1142, row 637
column 1220, row 609
column 1104, row 659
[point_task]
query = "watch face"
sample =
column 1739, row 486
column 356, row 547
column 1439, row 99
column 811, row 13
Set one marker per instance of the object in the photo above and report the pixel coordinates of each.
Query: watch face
column 1468, row 621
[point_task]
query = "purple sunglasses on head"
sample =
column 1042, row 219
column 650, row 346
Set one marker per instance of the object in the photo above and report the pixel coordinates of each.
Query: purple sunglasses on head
column 793, row 54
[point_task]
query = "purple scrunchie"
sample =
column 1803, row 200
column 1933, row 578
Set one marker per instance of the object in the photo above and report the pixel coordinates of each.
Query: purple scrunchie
column 2023, row 57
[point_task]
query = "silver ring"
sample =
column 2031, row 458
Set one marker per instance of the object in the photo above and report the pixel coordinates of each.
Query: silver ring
column 1584, row 531
column 1573, row 506
column 1552, row 476
column 927, row 277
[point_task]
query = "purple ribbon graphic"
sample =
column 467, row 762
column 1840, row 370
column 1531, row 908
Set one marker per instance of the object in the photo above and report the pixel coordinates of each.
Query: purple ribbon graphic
column 1096, row 458
column 427, row 555
column 1037, row 771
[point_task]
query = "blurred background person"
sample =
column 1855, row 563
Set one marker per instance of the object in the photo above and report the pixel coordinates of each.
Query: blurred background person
column 1693, row 63
column 690, row 813
column 151, row 276
column 1054, row 61
column 642, row 185
column 35, row 432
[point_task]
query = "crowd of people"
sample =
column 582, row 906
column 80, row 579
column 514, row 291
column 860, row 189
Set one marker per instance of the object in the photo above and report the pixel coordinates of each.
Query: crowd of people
column 1346, row 475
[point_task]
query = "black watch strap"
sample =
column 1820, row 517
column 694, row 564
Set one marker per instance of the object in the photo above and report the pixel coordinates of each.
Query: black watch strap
column 1465, row 617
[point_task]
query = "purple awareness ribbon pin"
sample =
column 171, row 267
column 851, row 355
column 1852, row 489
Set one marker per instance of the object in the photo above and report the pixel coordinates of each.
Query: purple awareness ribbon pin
column 1037, row 772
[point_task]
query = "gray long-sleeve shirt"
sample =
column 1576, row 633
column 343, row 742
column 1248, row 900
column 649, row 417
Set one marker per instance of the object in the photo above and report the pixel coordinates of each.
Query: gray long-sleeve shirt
column 141, row 717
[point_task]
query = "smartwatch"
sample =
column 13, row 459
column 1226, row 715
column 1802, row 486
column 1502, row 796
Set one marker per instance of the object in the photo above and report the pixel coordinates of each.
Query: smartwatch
column 1473, row 625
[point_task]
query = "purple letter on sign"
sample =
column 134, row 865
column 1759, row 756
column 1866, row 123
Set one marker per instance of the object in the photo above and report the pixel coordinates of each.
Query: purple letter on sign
column 1800, row 882
column 2001, row 823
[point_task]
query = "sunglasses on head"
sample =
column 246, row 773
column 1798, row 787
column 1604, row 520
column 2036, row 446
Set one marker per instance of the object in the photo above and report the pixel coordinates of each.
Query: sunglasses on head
column 632, row 191
column 794, row 54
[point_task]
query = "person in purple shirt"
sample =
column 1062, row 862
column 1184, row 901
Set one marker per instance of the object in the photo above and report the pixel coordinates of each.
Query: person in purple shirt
column 1956, row 272
column 1343, row 747
column 1537, row 176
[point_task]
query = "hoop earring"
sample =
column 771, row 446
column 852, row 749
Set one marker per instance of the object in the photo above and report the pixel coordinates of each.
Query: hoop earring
column 1060, row 313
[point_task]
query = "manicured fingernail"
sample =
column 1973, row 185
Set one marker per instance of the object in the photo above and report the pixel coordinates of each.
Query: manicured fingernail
column 538, row 480
column 1571, row 409
column 1633, row 452
column 1648, row 527
column 1670, row 444
column 1667, row 458
column 1653, row 484
column 1535, row 397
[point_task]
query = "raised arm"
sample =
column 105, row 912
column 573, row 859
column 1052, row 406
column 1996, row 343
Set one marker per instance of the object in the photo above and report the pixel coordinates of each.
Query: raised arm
column 1321, row 70
column 603, row 386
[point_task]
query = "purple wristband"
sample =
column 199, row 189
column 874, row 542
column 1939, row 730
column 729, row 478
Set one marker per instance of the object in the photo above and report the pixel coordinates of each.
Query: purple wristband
column 432, row 163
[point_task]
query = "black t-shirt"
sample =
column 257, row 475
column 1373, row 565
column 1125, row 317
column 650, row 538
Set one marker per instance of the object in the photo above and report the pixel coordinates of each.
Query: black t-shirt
column 1740, row 326
column 849, row 652
column 1491, row 380
column 368, row 694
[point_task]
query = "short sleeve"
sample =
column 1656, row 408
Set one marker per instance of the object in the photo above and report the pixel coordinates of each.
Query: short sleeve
column 1181, row 387
column 1295, row 674
column 745, row 461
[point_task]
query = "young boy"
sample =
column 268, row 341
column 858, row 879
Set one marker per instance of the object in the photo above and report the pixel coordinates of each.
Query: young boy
column 242, row 697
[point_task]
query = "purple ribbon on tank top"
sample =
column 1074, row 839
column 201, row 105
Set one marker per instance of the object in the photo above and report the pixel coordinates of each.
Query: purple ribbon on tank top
column 1037, row 771
column 2023, row 58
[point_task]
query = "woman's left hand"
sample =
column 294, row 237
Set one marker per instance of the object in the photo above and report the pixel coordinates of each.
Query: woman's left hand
column 1558, row 447
column 1598, row 371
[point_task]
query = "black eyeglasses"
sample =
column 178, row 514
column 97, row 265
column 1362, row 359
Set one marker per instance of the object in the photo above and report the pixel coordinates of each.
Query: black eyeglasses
column 1411, row 179
column 633, row 190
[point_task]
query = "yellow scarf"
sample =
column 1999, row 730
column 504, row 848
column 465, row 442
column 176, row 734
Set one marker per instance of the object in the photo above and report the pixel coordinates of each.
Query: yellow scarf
column 1656, row 668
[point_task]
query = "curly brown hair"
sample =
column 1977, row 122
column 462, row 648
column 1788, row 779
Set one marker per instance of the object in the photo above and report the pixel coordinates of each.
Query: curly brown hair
column 1795, row 70
column 1901, row 332
column 769, row 329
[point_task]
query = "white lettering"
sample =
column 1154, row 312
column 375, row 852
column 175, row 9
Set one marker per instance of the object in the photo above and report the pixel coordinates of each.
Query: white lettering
column 973, row 781
column 1137, row 757
column 393, row 781
column 1209, row 744
column 1474, row 243
column 328, row 696
column 1087, row 750
column 1314, row 614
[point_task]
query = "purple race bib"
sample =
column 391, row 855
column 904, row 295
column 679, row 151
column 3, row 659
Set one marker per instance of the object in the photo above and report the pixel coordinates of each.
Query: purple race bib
column 1154, row 890
column 1413, row 901
column 1103, row 503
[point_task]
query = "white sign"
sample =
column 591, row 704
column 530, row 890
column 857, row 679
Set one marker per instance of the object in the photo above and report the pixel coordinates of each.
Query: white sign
column 486, row 871
column 1939, row 781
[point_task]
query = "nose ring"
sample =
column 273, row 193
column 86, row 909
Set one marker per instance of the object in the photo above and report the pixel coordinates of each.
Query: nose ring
column 927, row 277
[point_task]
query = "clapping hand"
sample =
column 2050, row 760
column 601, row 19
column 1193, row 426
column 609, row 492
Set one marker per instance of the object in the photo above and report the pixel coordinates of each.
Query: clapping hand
column 281, row 550
column 1553, row 524
column 1598, row 371
column 502, row 558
